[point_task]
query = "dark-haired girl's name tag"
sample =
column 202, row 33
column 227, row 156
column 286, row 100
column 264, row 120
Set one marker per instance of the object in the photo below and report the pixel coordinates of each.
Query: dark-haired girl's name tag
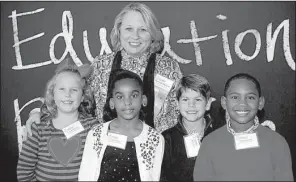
column 73, row 129
column 245, row 141
column 117, row 140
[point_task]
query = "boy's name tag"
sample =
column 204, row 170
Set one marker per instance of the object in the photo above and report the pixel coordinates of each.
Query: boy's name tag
column 245, row 141
column 73, row 129
column 192, row 145
column 117, row 140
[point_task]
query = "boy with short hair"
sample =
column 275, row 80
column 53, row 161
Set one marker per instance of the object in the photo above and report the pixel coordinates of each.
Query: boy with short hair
column 243, row 150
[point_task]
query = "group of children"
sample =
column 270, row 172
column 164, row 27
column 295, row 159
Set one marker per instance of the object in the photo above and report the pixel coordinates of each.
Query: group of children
column 69, row 144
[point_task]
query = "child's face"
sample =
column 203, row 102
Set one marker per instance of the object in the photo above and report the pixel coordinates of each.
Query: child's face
column 68, row 92
column 127, row 99
column 242, row 101
column 192, row 105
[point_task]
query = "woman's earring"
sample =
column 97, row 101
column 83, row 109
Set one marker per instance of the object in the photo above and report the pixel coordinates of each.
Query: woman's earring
column 111, row 106
column 144, row 104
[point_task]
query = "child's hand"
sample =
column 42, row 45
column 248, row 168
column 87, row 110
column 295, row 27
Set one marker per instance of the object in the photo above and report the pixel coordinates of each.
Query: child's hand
column 34, row 117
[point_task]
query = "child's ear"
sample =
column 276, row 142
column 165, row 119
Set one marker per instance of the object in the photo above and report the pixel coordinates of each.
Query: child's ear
column 261, row 102
column 144, row 100
column 209, row 103
column 223, row 102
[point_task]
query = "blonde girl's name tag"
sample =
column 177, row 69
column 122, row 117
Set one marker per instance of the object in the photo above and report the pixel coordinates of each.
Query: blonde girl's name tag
column 117, row 140
column 245, row 141
column 192, row 145
column 73, row 129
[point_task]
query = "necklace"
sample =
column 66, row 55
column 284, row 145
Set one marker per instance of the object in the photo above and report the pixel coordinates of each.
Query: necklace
column 194, row 131
column 250, row 130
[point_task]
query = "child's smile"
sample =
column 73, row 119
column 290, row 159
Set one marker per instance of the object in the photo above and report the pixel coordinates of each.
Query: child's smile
column 242, row 113
column 67, row 102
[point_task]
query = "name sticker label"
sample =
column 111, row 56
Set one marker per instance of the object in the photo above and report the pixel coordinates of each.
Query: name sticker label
column 73, row 129
column 192, row 145
column 245, row 141
column 162, row 87
column 117, row 140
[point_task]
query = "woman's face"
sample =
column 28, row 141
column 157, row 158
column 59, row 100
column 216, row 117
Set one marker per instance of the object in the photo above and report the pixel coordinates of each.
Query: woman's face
column 134, row 36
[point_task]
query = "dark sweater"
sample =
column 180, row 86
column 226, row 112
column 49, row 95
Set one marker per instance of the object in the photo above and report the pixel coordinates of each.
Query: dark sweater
column 176, row 166
column 219, row 160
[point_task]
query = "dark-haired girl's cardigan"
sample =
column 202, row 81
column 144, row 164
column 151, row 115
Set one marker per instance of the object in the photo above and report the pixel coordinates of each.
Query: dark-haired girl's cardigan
column 176, row 166
column 98, row 80
column 149, row 149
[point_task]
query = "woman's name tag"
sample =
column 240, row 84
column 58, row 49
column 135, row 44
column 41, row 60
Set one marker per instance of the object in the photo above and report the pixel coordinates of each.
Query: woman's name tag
column 245, row 141
column 73, row 129
column 117, row 140
column 192, row 145
column 162, row 87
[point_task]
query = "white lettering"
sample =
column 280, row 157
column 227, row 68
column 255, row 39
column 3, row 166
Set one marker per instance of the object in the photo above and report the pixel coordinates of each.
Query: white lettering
column 271, row 40
column 238, row 40
column 195, row 41
column 103, row 38
column 226, row 47
column 18, row 120
column 167, row 47
column 17, row 42
column 67, row 34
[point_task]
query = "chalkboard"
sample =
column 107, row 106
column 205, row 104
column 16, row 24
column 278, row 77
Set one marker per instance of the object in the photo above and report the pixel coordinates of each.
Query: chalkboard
column 213, row 39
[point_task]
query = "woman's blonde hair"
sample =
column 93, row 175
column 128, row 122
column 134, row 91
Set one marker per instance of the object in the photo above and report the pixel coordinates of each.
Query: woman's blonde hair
column 150, row 21
column 86, row 107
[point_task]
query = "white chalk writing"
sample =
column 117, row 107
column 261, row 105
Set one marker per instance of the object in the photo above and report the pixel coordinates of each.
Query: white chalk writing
column 238, row 41
column 270, row 43
column 67, row 35
column 18, row 120
column 167, row 47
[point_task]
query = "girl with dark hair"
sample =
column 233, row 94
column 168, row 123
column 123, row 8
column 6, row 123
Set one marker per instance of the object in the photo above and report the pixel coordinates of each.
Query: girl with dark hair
column 183, row 140
column 124, row 148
